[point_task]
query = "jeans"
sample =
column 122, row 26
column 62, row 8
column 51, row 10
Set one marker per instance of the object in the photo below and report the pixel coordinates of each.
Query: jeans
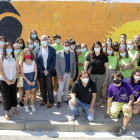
column 84, row 106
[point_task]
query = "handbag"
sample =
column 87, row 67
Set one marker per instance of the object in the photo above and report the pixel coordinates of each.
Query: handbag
column 20, row 81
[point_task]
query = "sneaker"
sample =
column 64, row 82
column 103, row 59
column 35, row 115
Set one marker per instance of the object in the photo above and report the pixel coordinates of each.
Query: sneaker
column 58, row 105
column 120, row 132
column 33, row 108
column 26, row 108
column 66, row 102
column 21, row 104
column 74, row 117
column 54, row 94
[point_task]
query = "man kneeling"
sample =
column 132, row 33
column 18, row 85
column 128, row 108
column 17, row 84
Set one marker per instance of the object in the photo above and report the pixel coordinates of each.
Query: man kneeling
column 122, row 97
column 83, row 95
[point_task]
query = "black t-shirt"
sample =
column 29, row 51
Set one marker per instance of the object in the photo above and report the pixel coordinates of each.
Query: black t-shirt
column 138, row 49
column 84, row 94
column 96, row 63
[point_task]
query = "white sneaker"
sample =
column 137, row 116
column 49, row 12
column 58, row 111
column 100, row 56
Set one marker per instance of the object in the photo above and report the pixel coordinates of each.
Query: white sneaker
column 33, row 108
column 26, row 108
column 54, row 94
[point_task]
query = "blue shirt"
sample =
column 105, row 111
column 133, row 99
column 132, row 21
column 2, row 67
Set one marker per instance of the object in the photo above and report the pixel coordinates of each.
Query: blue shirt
column 67, row 60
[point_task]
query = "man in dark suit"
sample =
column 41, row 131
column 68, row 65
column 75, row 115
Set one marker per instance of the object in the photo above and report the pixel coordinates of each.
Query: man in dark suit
column 45, row 59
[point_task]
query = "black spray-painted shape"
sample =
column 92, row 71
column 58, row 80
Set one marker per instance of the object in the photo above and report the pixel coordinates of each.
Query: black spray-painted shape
column 10, row 27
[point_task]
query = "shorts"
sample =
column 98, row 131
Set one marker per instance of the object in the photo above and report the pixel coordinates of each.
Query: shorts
column 116, row 107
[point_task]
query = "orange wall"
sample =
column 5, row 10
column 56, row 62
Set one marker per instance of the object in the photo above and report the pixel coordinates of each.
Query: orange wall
column 83, row 21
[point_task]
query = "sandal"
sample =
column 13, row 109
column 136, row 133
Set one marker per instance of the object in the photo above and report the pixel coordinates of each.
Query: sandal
column 7, row 117
column 98, row 107
column 15, row 113
column 104, row 100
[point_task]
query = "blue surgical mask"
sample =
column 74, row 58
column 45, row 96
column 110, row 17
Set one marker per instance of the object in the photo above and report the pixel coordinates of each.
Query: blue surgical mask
column 123, row 54
column 73, row 47
column 2, row 43
column 44, row 43
column 33, row 36
column 36, row 44
column 50, row 45
column 30, row 46
column 17, row 51
column 57, row 41
column 130, row 47
column 66, row 48
column 104, row 49
column 9, row 51
column 84, row 50
column 108, row 43
column 110, row 52
column 122, row 45
column 21, row 45
column 78, row 50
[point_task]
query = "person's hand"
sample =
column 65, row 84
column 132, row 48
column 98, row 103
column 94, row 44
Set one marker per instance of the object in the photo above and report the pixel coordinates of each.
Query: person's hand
column 124, row 68
column 60, row 78
column 8, row 82
column 13, row 81
column 128, row 109
column 107, row 115
column 33, row 83
column 91, row 110
column 73, row 77
column 80, row 64
column 46, row 72
column 105, row 79
column 73, row 102
column 29, row 83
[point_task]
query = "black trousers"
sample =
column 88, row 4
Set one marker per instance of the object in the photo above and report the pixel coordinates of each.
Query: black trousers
column 9, row 93
column 46, row 86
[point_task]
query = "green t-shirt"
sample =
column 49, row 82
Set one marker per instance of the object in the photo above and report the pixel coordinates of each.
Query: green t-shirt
column 81, row 59
column 131, row 55
column 126, row 73
column 57, row 47
column 112, row 62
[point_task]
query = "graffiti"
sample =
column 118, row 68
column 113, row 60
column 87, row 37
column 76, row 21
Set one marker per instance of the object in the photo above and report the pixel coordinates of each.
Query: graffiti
column 10, row 27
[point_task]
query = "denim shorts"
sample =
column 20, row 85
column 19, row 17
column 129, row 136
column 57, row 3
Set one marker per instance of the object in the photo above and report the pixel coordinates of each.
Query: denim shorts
column 30, row 77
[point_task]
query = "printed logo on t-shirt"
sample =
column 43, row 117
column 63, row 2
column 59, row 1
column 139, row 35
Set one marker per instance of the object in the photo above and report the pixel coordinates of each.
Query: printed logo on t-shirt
column 122, row 95
column 136, row 93
column 89, row 89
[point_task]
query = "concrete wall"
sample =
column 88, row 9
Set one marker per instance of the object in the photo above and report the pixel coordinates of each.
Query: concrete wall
column 83, row 21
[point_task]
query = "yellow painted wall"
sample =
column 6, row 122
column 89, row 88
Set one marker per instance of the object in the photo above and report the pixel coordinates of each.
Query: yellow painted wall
column 83, row 21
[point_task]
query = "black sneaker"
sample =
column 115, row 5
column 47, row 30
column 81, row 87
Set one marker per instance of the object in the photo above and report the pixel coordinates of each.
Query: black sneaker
column 66, row 102
column 74, row 117
column 21, row 104
column 58, row 105
column 120, row 132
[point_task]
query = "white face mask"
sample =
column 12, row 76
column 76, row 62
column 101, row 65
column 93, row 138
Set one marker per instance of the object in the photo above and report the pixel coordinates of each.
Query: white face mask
column 85, row 80
column 97, row 49
column 137, row 78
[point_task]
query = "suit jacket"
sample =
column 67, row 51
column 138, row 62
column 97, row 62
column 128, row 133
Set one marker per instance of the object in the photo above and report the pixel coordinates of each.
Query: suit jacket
column 61, row 64
column 50, row 61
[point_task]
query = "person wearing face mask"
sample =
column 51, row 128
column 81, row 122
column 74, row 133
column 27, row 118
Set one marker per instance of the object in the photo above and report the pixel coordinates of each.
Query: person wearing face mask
column 112, row 65
column 83, row 95
column 30, row 44
column 45, row 59
column 9, row 70
column 28, row 70
column 120, row 97
column 58, row 47
column 104, row 48
column 72, row 48
column 115, row 46
column 109, row 41
column 133, row 54
column 49, row 41
column 96, row 62
column 36, row 43
column 137, row 47
column 82, row 55
column 33, row 35
column 123, row 60
column 123, row 37
column 17, row 53
column 66, row 70
column 123, row 44
column 134, row 84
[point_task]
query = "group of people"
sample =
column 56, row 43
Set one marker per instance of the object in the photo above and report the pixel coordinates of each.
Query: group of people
column 110, row 70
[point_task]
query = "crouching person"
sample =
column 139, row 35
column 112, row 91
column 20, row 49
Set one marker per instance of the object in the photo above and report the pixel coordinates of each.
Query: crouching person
column 83, row 95
column 120, row 97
